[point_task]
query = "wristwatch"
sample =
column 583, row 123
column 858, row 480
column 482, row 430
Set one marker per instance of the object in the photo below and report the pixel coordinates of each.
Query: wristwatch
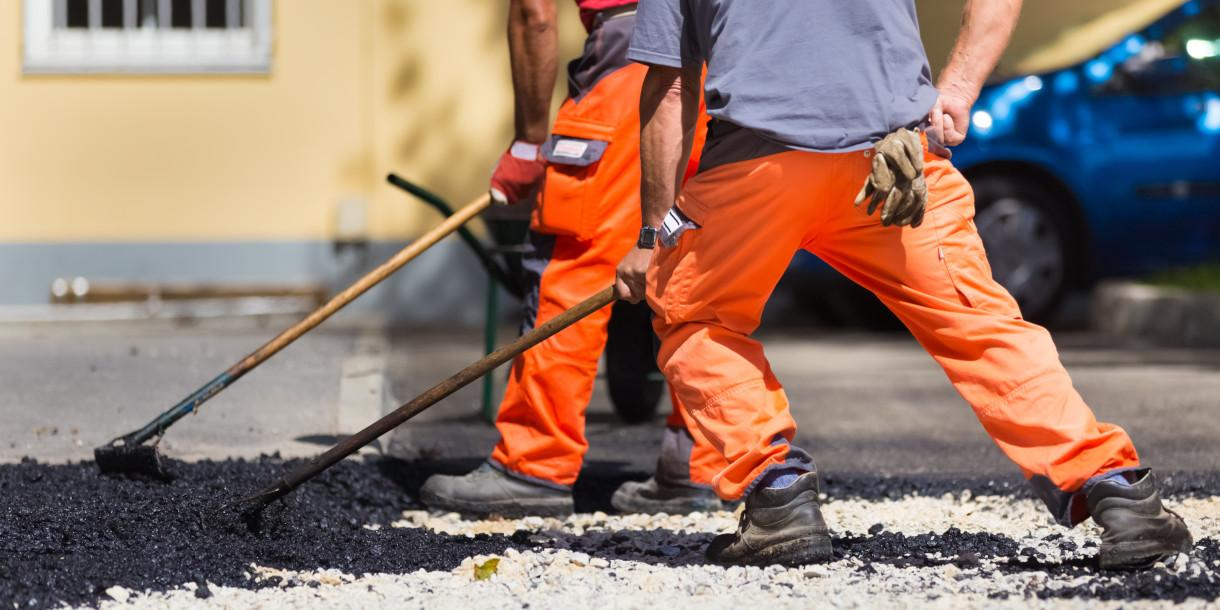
column 648, row 238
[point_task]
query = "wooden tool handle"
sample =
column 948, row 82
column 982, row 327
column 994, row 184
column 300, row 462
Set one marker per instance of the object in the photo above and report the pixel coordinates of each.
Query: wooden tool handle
column 362, row 285
column 434, row 395
column 192, row 402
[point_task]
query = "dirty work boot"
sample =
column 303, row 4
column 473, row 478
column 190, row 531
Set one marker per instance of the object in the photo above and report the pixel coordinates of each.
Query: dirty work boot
column 670, row 490
column 487, row 491
column 778, row 526
column 1137, row 531
column 659, row 496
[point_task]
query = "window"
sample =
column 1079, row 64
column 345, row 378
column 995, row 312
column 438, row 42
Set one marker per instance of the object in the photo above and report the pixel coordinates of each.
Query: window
column 147, row 36
column 1186, row 59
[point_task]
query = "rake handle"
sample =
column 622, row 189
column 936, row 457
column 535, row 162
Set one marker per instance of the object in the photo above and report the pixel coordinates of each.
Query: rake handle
column 282, row 340
column 432, row 396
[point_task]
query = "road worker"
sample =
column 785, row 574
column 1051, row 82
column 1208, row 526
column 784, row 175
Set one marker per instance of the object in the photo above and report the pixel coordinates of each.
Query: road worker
column 586, row 172
column 828, row 135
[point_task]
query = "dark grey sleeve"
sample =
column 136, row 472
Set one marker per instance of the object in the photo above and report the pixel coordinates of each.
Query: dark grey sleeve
column 662, row 35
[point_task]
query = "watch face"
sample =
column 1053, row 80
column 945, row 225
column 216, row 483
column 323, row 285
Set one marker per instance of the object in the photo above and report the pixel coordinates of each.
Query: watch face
column 648, row 238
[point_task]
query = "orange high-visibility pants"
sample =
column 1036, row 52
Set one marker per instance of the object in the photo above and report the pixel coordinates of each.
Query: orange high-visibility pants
column 588, row 218
column 709, row 290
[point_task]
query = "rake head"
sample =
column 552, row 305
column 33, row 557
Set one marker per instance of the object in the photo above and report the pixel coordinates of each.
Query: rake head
column 118, row 457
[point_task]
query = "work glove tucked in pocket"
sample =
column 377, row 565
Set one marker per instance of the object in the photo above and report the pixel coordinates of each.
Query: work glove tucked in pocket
column 569, row 197
column 897, row 180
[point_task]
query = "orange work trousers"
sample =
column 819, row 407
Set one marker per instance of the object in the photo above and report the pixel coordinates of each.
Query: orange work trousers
column 588, row 218
column 708, row 292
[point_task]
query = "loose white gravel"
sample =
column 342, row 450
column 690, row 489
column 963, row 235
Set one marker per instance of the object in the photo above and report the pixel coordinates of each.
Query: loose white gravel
column 549, row 578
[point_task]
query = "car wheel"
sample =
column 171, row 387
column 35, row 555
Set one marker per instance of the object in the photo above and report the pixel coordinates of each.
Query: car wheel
column 635, row 383
column 1026, row 233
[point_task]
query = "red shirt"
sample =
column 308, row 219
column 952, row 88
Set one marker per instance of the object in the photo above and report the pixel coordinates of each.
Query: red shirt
column 588, row 8
column 601, row 5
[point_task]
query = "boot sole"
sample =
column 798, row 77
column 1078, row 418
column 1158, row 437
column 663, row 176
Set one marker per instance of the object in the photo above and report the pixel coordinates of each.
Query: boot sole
column 815, row 548
column 516, row 509
column 1139, row 555
column 797, row 552
column 625, row 503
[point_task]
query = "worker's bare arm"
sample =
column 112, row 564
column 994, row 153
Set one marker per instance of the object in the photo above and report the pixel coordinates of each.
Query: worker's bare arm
column 987, row 26
column 669, row 108
column 533, row 43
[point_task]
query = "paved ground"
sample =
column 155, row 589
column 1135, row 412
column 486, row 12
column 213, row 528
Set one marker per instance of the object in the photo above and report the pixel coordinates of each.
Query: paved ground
column 71, row 387
column 913, row 422
column 946, row 524
column 68, row 388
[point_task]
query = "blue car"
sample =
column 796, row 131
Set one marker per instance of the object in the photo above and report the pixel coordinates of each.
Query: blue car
column 1107, row 167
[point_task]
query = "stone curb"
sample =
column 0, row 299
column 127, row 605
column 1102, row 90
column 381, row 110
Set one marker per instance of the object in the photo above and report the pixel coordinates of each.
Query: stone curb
column 1160, row 315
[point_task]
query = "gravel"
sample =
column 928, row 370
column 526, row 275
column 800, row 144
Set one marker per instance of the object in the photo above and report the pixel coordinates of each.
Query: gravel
column 355, row 538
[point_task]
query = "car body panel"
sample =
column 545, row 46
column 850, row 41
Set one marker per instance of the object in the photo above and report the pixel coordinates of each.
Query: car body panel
column 1137, row 151
column 1142, row 164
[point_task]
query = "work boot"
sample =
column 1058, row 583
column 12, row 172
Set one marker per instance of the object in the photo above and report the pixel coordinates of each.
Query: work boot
column 1136, row 530
column 488, row 491
column 670, row 489
column 778, row 526
column 659, row 496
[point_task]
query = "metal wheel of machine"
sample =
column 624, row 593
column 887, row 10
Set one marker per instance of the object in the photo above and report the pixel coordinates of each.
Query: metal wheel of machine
column 632, row 377
column 1028, row 239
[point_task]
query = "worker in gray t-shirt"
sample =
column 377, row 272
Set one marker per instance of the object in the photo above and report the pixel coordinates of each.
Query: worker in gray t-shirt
column 816, row 105
column 820, row 75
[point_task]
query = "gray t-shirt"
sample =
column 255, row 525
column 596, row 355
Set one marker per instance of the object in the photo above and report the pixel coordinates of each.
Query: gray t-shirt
column 822, row 75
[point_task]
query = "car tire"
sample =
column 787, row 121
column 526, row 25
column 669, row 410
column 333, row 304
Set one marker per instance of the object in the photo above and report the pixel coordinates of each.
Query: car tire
column 1029, row 236
column 632, row 377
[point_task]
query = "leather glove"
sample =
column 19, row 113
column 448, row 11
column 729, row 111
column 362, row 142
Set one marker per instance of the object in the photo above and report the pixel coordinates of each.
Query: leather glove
column 897, row 180
column 518, row 174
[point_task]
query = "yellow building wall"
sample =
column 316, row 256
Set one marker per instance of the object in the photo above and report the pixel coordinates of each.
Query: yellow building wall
column 358, row 88
column 442, row 98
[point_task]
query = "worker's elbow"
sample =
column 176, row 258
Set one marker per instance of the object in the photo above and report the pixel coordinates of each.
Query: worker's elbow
column 662, row 83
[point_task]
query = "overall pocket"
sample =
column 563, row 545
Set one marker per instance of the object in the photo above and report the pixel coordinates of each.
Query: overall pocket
column 569, row 195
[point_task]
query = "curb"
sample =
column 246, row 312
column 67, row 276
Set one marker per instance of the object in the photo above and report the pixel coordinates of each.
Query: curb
column 1163, row 316
column 155, row 309
column 364, row 388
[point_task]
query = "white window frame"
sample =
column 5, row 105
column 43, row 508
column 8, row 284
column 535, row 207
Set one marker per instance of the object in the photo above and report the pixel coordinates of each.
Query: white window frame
column 138, row 50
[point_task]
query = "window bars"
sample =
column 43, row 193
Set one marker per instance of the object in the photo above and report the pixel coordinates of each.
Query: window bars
column 147, row 36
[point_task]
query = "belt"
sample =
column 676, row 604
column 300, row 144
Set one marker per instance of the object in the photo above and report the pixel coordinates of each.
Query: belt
column 615, row 11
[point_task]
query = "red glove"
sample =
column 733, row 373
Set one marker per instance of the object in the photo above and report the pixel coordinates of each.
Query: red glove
column 518, row 174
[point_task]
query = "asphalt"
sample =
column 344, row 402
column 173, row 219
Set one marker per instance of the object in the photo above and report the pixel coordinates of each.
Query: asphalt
column 69, row 388
column 67, row 533
column 912, row 423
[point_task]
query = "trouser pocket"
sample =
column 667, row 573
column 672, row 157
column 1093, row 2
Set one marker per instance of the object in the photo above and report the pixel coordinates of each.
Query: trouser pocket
column 569, row 201
column 676, row 270
column 961, row 250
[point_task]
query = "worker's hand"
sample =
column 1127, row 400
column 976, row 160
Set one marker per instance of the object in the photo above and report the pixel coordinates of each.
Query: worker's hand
column 950, row 117
column 632, row 277
column 897, row 180
column 518, row 174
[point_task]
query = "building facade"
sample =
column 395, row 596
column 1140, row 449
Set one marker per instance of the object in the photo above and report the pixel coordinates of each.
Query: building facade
column 240, row 140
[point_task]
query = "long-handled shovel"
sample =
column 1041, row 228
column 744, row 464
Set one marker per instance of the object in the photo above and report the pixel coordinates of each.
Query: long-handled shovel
column 354, row 442
column 129, row 454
